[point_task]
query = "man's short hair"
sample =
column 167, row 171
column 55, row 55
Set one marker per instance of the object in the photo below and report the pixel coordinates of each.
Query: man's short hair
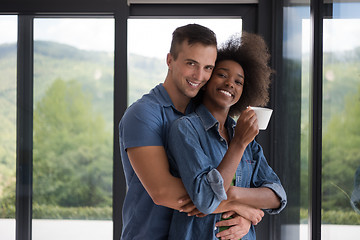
column 193, row 33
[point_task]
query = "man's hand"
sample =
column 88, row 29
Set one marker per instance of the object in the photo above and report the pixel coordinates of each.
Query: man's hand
column 239, row 224
column 239, row 227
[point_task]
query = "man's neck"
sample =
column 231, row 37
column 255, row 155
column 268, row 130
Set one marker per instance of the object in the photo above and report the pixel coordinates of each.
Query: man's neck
column 179, row 100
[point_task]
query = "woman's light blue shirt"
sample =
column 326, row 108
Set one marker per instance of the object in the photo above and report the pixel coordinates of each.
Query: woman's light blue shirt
column 195, row 150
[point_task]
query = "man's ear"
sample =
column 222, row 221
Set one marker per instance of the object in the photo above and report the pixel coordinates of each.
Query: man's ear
column 169, row 60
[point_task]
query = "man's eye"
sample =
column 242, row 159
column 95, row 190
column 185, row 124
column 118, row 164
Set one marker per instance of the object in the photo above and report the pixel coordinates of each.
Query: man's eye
column 209, row 68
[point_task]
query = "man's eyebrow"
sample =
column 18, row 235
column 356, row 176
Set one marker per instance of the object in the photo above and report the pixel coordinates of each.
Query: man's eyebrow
column 191, row 60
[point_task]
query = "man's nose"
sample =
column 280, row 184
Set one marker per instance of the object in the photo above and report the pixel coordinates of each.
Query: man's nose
column 199, row 74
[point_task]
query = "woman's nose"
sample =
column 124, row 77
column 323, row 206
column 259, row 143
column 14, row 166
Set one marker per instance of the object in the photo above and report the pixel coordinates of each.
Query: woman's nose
column 229, row 84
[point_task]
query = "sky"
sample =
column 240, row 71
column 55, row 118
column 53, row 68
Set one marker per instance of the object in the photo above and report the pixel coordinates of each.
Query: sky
column 149, row 37
column 339, row 34
column 152, row 37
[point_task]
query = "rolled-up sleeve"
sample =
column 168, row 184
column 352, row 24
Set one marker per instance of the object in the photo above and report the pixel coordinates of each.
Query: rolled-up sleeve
column 187, row 159
column 280, row 192
column 264, row 176
column 217, row 184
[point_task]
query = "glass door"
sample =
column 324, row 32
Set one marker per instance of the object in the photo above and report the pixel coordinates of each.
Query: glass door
column 341, row 125
column 73, row 128
column 8, row 58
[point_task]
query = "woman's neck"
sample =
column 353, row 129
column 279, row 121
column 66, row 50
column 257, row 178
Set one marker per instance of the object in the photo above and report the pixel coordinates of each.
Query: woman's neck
column 220, row 114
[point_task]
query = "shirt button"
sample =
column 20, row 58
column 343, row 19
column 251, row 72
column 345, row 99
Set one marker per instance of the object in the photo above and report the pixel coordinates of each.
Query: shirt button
column 215, row 228
column 221, row 139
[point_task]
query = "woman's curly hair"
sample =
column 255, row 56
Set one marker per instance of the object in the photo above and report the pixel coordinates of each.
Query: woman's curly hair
column 251, row 52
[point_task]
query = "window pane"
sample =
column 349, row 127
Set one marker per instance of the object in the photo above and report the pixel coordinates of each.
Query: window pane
column 8, row 51
column 341, row 125
column 149, row 42
column 73, row 128
column 293, row 110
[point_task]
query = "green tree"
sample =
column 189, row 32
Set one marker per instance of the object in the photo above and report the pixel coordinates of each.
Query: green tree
column 72, row 150
column 341, row 155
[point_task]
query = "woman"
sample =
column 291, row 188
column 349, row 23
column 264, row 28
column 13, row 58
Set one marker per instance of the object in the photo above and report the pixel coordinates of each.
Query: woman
column 210, row 152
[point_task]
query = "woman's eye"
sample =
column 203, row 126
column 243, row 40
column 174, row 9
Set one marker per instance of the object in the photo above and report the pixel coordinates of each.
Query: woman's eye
column 238, row 82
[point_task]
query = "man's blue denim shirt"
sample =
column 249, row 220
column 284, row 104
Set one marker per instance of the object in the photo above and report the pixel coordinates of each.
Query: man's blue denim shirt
column 145, row 123
column 195, row 150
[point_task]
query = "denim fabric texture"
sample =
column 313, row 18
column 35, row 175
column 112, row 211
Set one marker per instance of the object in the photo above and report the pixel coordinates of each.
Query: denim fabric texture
column 195, row 150
column 145, row 123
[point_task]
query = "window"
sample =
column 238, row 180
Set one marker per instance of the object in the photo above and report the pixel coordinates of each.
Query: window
column 8, row 40
column 101, row 82
column 72, row 128
column 293, row 106
column 339, row 214
column 340, row 125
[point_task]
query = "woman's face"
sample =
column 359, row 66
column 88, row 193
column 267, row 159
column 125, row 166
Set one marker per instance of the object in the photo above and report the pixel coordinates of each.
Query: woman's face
column 225, row 86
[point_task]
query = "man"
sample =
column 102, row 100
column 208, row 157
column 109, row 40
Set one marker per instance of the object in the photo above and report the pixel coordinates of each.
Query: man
column 144, row 130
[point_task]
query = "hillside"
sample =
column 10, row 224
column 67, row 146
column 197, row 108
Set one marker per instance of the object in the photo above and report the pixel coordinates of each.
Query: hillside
column 94, row 70
column 52, row 61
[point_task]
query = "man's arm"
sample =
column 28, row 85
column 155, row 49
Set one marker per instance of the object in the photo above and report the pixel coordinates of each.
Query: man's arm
column 151, row 165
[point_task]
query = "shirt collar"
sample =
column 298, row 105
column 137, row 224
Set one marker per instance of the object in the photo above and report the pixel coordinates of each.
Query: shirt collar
column 166, row 101
column 163, row 96
column 209, row 121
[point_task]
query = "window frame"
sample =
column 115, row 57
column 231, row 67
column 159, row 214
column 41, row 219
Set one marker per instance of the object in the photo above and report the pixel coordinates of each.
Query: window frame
column 264, row 17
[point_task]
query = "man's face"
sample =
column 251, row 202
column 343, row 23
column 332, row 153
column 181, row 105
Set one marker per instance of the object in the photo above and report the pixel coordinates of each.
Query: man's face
column 192, row 68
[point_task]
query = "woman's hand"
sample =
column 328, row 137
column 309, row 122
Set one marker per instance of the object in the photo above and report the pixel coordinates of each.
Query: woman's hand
column 254, row 215
column 247, row 127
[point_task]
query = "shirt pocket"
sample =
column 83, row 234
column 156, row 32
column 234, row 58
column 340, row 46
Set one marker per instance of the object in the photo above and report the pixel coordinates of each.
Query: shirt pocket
column 244, row 172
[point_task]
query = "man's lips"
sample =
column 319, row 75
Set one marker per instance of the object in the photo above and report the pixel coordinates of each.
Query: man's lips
column 193, row 83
